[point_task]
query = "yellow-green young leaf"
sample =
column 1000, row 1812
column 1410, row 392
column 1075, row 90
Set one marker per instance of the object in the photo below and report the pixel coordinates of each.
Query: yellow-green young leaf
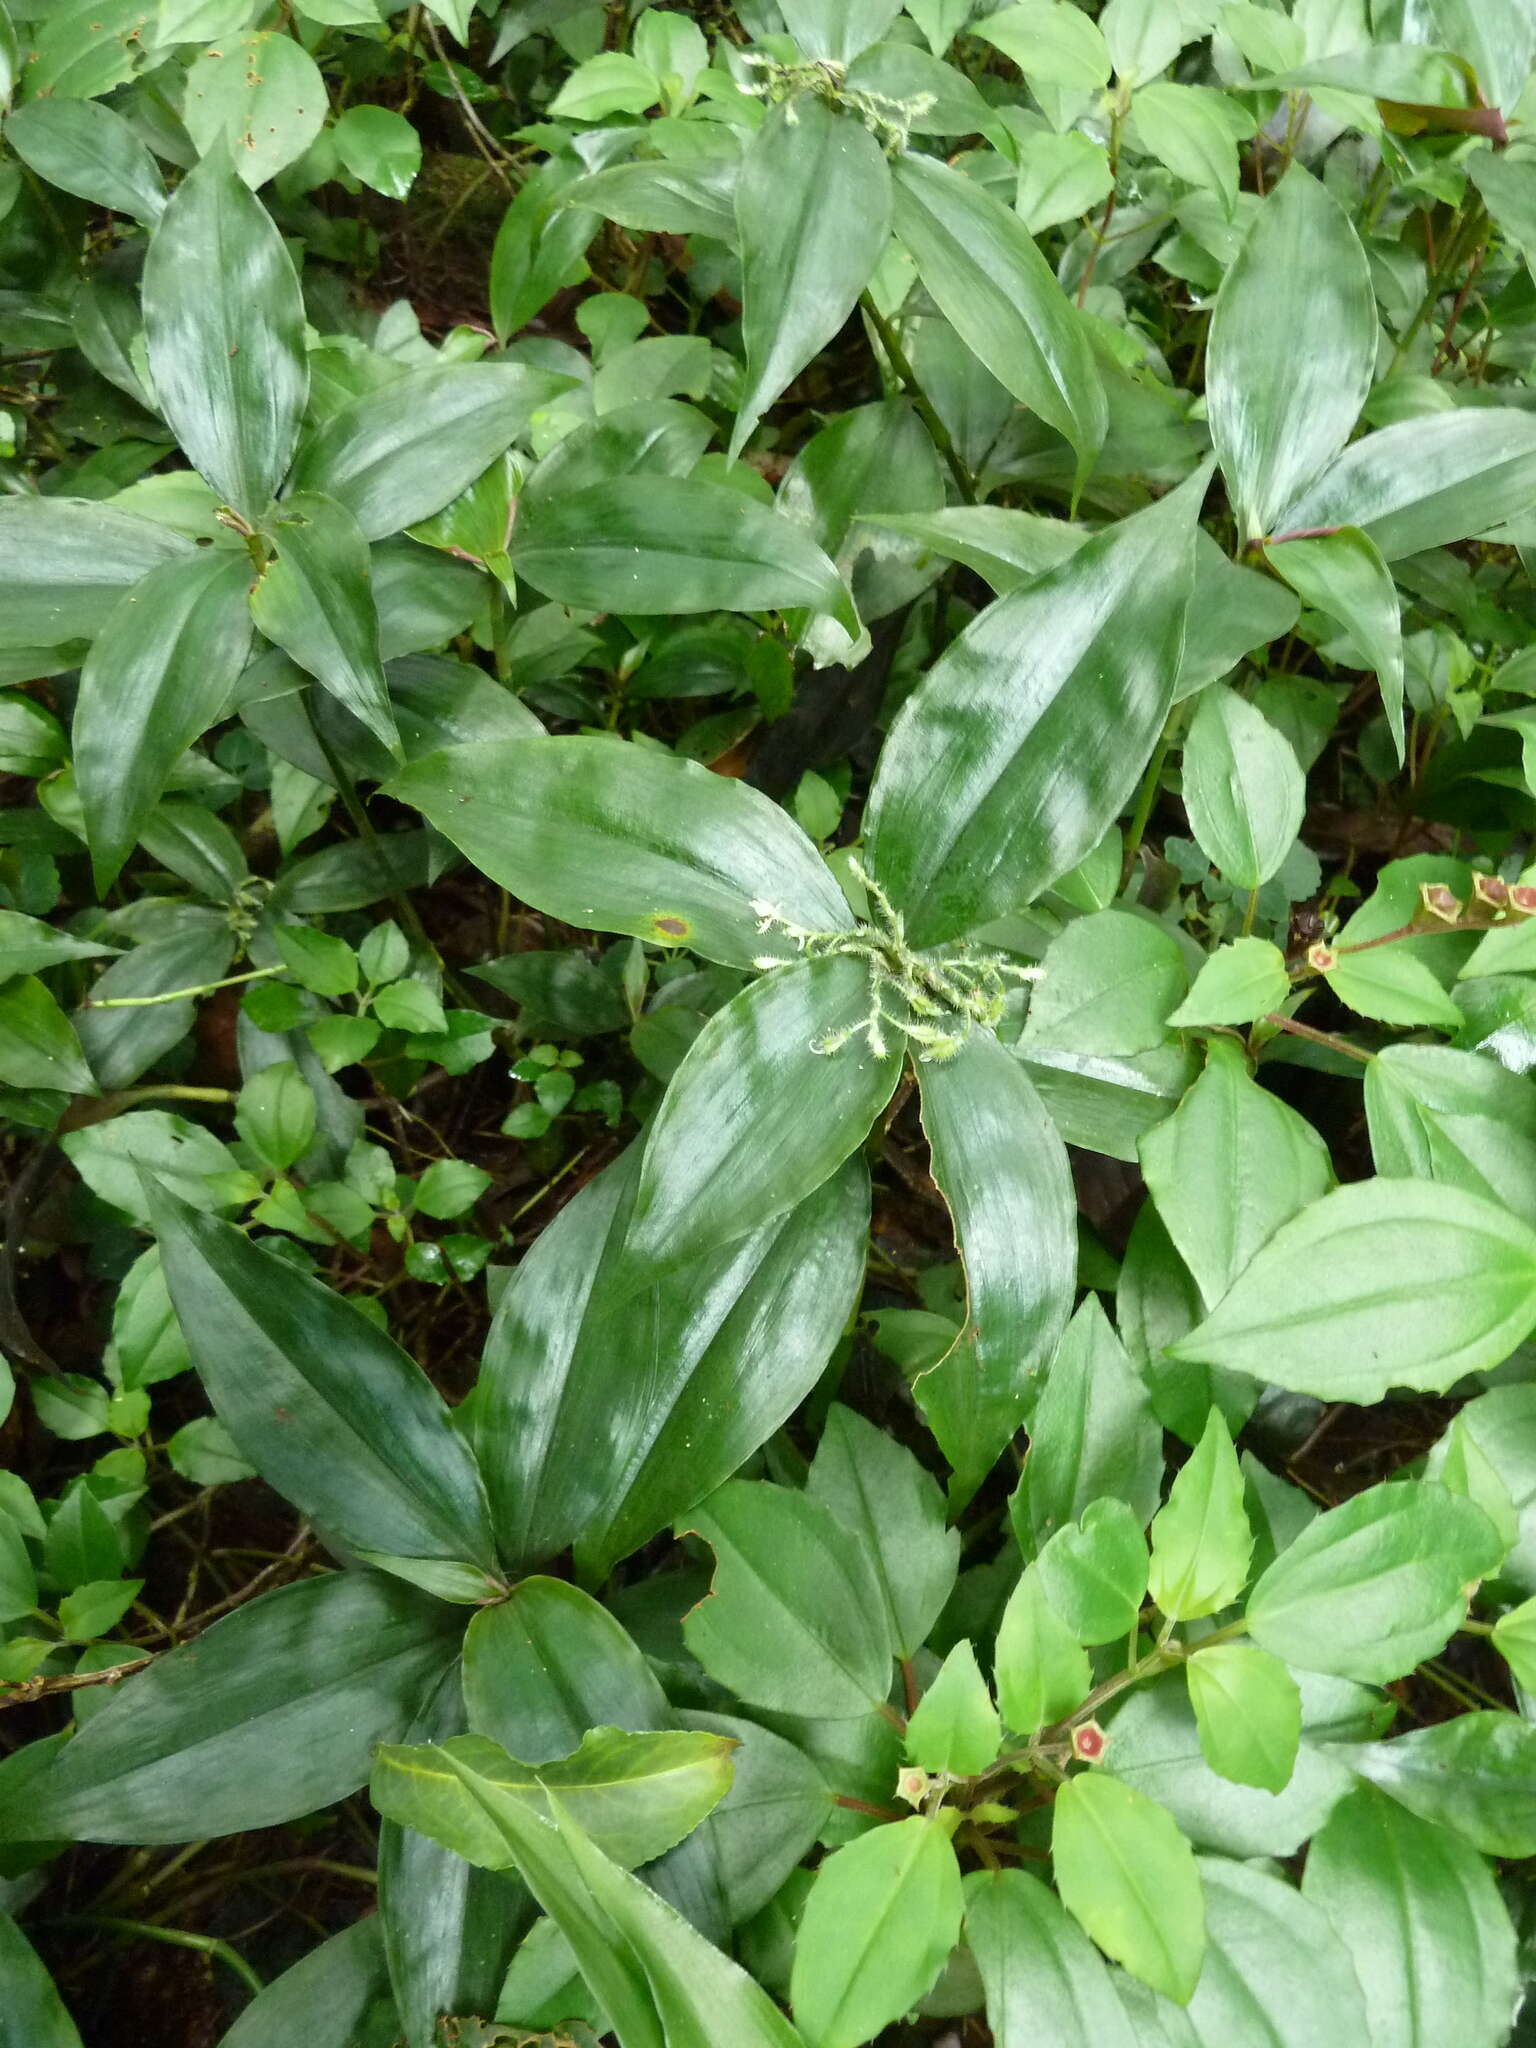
column 1375, row 1586
column 228, row 360
column 636, row 1796
column 38, row 1044
column 1201, row 1541
column 1454, row 1117
column 1248, row 1711
column 1514, row 1636
column 980, row 265
column 1392, row 985
column 954, row 1729
column 316, row 601
column 813, row 212
column 1128, row 1877
column 1043, row 1979
column 1386, row 1283
column 1049, row 40
column 1287, row 371
column 878, row 1925
column 1094, row 1571
column 1041, row 1669
column 1243, row 787
column 1239, row 982
column 1344, row 575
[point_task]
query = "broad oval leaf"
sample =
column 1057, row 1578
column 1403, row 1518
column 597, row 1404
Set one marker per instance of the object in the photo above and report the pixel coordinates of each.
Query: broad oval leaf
column 1386, row 1283
column 164, row 670
column 979, row 263
column 1127, row 1875
column 1454, row 1117
column 396, row 455
column 1421, row 1917
column 1243, row 788
column 877, row 1926
column 1373, row 1587
column 323, row 1403
column 611, row 837
column 1423, row 483
column 65, row 562
column 603, row 1411
column 756, row 1118
column 642, row 544
column 1006, row 764
column 227, row 358
column 838, row 29
column 813, row 213
column 261, row 96
column 1043, row 1979
column 1247, row 1707
column 270, row 1714
column 1292, row 350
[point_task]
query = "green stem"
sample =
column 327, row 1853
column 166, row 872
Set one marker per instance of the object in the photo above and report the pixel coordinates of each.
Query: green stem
column 1146, row 796
column 1251, row 912
column 177, row 995
column 899, row 361
column 174, row 1937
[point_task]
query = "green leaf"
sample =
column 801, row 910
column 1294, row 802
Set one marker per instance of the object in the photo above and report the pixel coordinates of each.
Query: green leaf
column 1228, row 1168
column 1392, row 985
column 276, row 1115
column 1243, row 788
column 18, row 1578
column 258, row 96
column 1476, row 1775
column 1107, row 984
column 1094, row 1571
column 163, row 671
column 794, row 1620
column 96, row 1607
column 335, row 1997
column 380, row 148
column 634, row 1795
column 38, row 1044
column 610, row 83
column 1288, row 371
column 1003, row 1173
column 65, row 562
column 813, row 214
column 875, row 1931
column 1157, row 1301
column 540, row 246
column 611, row 837
column 1498, row 1430
column 663, row 198
column 1248, row 1710
column 228, row 361
column 1201, row 1541
column 1232, row 610
column 1275, row 1974
column 1514, row 1637
column 270, row 1713
column 838, row 29
column 1043, row 1980
column 755, row 1119
column 1050, row 40
column 1424, row 483
column 1092, row 1435
column 882, row 1496
column 318, row 961
column 320, row 1400
column 1004, row 767
column 1375, row 1586
column 1190, row 129
column 643, row 544
column 980, row 266
column 713, row 1359
column 34, row 2014
column 1454, row 1117
column 398, row 454
column 1420, row 1914
column 1127, row 1875
column 1387, row 1283
column 954, row 1729
column 316, row 601
column 1042, row 1671
column 547, row 1663
column 184, row 1157
column 1344, row 575
column 87, row 149
column 1241, row 981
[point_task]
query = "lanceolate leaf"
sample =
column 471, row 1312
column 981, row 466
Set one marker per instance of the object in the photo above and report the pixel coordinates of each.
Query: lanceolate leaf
column 65, row 562
column 1003, row 1172
column 1007, row 763
column 978, row 262
column 1043, row 1979
column 164, row 671
column 338, row 1996
column 813, row 211
column 33, row 2015
column 325, row 1406
column 755, row 1118
column 1387, row 1283
column 671, row 544
column 316, row 602
column 603, row 1411
column 224, row 326
column 396, row 455
column 1343, row 575
column 1292, row 351
column 610, row 837
column 270, row 1714
column 86, row 148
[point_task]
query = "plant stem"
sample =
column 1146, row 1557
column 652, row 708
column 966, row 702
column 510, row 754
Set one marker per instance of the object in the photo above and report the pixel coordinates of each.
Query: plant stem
column 177, row 995
column 174, row 1937
column 1146, row 796
column 899, row 361
column 1327, row 1038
